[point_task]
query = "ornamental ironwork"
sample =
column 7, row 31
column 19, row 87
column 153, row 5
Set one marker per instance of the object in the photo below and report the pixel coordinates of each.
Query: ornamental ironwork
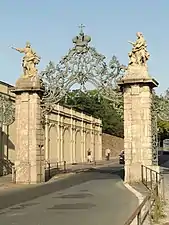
column 160, row 111
column 7, row 110
column 82, row 68
column 154, row 132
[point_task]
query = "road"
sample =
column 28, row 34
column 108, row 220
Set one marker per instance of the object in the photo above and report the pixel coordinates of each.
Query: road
column 97, row 197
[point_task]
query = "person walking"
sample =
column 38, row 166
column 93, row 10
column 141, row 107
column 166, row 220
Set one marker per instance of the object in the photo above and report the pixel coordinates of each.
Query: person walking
column 89, row 155
column 108, row 154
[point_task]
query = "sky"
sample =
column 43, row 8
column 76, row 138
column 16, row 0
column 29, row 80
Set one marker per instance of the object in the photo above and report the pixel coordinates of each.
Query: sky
column 51, row 25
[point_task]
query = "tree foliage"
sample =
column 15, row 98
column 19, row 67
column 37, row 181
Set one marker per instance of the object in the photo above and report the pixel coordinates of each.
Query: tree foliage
column 97, row 107
column 163, row 129
column 161, row 107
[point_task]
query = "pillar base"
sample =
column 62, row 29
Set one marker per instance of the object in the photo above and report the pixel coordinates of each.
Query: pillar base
column 26, row 173
column 135, row 174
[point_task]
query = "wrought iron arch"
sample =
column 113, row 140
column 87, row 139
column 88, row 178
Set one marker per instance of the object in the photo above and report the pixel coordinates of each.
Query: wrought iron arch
column 7, row 110
column 82, row 65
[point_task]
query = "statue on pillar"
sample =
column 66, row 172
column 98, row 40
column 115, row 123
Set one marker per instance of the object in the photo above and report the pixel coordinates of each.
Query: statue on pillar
column 139, row 54
column 29, row 61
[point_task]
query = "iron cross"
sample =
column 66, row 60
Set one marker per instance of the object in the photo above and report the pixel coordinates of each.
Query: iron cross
column 81, row 27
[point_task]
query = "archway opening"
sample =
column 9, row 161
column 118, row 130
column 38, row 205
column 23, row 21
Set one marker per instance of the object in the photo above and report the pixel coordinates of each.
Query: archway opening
column 87, row 144
column 78, row 148
column 67, row 147
column 53, row 151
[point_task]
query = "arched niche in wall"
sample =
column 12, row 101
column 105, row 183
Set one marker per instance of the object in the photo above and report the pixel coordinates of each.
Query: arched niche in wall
column 53, row 151
column 87, row 142
column 78, row 147
column 67, row 156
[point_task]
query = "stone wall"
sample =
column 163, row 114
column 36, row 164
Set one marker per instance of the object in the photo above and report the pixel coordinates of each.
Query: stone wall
column 115, row 144
column 68, row 135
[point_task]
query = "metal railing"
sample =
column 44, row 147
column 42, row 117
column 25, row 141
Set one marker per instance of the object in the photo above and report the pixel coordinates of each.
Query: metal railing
column 13, row 174
column 52, row 168
column 154, row 182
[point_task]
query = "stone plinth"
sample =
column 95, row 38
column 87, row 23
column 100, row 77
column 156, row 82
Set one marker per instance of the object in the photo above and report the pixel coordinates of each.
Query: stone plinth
column 29, row 164
column 137, row 88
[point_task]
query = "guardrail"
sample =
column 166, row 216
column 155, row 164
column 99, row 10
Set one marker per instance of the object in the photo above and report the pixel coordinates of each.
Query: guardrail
column 54, row 168
column 154, row 182
column 51, row 169
column 13, row 174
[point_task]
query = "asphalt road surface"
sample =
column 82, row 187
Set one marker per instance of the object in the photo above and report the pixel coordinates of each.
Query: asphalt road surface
column 97, row 197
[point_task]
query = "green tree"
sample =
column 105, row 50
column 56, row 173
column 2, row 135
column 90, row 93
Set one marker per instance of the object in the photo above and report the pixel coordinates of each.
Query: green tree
column 160, row 108
column 98, row 107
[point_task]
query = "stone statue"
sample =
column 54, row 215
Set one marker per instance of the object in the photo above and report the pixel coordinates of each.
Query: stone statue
column 30, row 60
column 139, row 54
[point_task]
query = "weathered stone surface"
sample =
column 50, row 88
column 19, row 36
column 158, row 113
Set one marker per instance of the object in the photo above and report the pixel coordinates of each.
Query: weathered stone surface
column 28, row 83
column 137, row 88
column 136, row 72
column 29, row 168
column 115, row 144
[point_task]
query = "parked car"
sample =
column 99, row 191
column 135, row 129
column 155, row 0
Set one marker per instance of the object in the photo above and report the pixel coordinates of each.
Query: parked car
column 121, row 157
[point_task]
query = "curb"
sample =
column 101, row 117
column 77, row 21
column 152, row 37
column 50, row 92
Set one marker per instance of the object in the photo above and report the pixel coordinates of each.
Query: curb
column 140, row 198
column 135, row 192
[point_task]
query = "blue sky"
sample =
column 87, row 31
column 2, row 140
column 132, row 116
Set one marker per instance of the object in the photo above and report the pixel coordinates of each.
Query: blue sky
column 51, row 25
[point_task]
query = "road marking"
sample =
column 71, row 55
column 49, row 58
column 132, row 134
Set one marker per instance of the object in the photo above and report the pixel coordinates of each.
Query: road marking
column 10, row 214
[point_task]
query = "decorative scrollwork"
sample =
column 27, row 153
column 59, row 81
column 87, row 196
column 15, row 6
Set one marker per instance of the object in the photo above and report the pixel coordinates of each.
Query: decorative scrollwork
column 161, row 108
column 154, row 129
column 81, row 68
column 53, row 82
column 7, row 110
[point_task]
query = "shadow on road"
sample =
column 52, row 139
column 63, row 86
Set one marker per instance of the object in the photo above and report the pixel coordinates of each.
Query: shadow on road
column 8, row 199
column 117, row 171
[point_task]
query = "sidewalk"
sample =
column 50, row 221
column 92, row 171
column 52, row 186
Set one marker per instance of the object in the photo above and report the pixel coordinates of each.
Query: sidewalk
column 140, row 191
column 6, row 181
column 83, row 166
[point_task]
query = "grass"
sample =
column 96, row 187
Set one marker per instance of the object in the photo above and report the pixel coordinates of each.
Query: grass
column 157, row 212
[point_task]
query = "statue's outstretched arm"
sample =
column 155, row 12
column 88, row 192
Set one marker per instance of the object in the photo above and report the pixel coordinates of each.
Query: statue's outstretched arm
column 132, row 43
column 21, row 50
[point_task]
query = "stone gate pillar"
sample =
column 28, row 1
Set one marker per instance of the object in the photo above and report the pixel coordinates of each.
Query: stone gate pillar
column 137, row 88
column 29, row 164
